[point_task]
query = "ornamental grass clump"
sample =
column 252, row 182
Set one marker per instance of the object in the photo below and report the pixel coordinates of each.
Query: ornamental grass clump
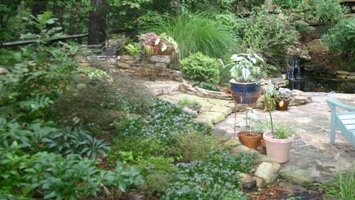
column 197, row 32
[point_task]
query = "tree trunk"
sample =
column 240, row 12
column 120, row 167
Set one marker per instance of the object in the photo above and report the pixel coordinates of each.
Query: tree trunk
column 73, row 27
column 97, row 22
column 38, row 7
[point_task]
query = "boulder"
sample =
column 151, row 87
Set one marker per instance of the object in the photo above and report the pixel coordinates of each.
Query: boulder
column 160, row 59
column 342, row 72
column 317, row 47
column 299, row 98
column 123, row 65
column 301, row 52
column 268, row 172
column 3, row 70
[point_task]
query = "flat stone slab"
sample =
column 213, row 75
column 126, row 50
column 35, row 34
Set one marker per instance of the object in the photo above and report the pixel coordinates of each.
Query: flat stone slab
column 312, row 157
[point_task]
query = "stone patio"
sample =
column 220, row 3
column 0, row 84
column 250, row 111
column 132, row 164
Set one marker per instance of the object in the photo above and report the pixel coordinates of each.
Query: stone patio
column 312, row 158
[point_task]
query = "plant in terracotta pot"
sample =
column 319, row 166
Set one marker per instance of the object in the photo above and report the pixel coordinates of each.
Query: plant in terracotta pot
column 245, row 72
column 278, row 142
column 283, row 99
column 250, row 136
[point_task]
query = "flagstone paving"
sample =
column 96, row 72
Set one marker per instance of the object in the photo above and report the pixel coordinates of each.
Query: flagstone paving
column 312, row 158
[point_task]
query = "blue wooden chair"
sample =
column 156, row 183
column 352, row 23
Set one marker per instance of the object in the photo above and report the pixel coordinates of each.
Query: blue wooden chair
column 344, row 120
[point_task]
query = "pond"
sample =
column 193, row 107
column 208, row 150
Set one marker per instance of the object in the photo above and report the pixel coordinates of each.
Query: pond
column 319, row 84
column 301, row 79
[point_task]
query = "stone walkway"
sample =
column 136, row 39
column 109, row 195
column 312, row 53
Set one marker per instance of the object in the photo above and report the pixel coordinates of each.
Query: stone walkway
column 312, row 158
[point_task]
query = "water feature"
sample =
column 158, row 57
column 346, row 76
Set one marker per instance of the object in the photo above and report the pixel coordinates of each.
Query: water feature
column 301, row 79
column 294, row 68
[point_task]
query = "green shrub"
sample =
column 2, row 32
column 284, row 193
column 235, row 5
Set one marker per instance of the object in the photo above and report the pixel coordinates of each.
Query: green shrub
column 215, row 178
column 97, row 103
column 143, row 148
column 158, row 172
column 199, row 67
column 194, row 146
column 328, row 11
column 267, row 33
column 324, row 11
column 55, row 177
column 197, row 32
column 341, row 37
column 287, row 3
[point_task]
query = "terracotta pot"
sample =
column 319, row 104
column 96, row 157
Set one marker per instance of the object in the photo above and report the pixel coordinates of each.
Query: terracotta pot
column 277, row 149
column 250, row 139
column 282, row 105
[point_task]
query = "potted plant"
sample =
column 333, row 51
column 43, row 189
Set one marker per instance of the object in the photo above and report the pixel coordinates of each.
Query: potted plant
column 278, row 142
column 283, row 99
column 250, row 136
column 245, row 71
column 154, row 44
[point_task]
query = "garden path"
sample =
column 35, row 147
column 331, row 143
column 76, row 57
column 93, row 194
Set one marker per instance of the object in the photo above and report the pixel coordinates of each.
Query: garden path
column 312, row 158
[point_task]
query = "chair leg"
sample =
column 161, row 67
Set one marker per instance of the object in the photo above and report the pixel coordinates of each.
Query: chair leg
column 332, row 131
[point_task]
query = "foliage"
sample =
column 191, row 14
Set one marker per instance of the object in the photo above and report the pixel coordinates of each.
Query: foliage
column 341, row 187
column 76, row 141
column 247, row 67
column 270, row 97
column 197, row 32
column 190, row 103
column 97, row 103
column 199, row 67
column 215, row 178
column 340, row 38
column 143, row 148
column 281, row 132
column 328, row 11
column 325, row 11
column 158, row 173
column 219, row 6
column 267, row 33
column 53, row 176
column 133, row 49
column 169, row 120
column 207, row 86
column 194, row 146
column 38, row 75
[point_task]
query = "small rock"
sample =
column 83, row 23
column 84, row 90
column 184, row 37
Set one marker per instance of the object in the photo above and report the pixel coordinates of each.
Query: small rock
column 4, row 70
column 351, row 77
column 298, row 176
column 268, row 171
column 161, row 65
column 213, row 117
column 241, row 149
column 247, row 182
column 342, row 73
column 218, row 131
column 123, row 65
column 223, row 109
column 231, row 143
column 125, row 58
column 160, row 59
column 341, row 76
column 352, row 73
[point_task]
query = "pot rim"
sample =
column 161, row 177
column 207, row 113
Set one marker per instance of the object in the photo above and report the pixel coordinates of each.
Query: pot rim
column 269, row 137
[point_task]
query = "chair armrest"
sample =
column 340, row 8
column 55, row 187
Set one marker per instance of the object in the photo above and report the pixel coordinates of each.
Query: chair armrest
column 337, row 103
